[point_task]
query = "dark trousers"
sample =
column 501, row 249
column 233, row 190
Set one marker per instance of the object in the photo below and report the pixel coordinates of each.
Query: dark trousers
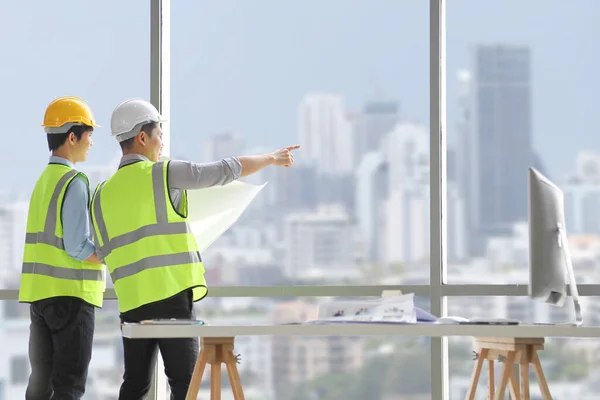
column 60, row 348
column 179, row 355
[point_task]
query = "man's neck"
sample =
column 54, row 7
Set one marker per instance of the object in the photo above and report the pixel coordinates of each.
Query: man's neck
column 131, row 157
column 133, row 152
column 63, row 154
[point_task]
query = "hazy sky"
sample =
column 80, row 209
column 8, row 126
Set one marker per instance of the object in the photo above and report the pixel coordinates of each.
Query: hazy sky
column 245, row 65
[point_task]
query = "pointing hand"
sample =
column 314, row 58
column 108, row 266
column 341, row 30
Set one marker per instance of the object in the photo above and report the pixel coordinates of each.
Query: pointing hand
column 284, row 156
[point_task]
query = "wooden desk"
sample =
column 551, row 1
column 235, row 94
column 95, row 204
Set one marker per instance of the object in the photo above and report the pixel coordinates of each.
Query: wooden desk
column 138, row 331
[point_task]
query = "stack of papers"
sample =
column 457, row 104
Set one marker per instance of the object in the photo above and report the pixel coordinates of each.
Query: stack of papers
column 388, row 310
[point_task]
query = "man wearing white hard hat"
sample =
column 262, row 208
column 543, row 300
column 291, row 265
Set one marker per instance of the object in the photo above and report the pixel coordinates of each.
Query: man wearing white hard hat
column 142, row 234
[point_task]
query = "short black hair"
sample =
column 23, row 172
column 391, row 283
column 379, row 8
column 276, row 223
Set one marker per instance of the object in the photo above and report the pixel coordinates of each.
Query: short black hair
column 56, row 140
column 148, row 128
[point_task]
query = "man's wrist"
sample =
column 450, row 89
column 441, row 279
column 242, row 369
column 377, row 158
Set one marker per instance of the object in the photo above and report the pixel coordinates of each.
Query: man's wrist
column 271, row 158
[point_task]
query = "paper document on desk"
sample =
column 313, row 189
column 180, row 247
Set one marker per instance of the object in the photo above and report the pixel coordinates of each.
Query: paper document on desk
column 214, row 210
column 398, row 309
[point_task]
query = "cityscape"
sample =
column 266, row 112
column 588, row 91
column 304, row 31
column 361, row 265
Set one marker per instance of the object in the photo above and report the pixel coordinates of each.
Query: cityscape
column 354, row 210
column 349, row 82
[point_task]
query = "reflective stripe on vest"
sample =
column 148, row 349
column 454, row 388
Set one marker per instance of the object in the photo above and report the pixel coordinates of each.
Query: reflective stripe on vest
column 47, row 270
column 161, row 227
column 62, row 273
column 145, row 241
column 49, row 238
column 48, row 235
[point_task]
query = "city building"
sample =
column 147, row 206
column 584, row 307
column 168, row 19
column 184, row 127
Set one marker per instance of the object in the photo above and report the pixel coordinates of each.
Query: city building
column 418, row 186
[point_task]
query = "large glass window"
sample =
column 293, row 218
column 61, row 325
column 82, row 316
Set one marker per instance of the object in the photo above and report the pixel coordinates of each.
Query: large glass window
column 522, row 85
column 99, row 51
column 520, row 94
column 349, row 82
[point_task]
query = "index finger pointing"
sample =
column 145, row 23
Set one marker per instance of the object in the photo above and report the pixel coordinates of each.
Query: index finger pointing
column 293, row 147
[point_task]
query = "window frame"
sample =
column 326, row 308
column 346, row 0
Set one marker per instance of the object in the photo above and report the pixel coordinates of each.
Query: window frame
column 437, row 290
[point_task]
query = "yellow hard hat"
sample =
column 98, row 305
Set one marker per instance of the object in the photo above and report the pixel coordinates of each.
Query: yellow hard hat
column 68, row 110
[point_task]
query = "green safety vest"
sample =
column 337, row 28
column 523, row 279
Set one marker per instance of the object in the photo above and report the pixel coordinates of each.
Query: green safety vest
column 145, row 242
column 48, row 270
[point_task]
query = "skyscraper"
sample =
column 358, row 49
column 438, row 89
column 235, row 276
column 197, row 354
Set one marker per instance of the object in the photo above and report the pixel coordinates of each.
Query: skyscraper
column 501, row 151
column 377, row 119
column 325, row 134
column 406, row 151
column 371, row 194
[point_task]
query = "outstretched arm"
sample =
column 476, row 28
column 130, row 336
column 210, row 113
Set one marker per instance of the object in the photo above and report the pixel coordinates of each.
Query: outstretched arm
column 281, row 157
column 186, row 175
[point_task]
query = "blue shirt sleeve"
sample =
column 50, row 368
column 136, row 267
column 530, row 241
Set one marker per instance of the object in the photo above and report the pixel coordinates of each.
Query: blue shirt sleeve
column 76, row 221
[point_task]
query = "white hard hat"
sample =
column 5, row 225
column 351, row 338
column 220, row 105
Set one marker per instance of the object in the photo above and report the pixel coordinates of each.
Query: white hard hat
column 129, row 116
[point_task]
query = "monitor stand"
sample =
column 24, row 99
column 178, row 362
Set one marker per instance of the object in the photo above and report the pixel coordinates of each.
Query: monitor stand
column 562, row 239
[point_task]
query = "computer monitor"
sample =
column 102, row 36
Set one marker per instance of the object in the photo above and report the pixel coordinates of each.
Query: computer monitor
column 550, row 267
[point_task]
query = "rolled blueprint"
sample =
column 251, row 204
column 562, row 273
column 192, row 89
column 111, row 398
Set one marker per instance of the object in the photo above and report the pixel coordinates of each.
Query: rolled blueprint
column 212, row 211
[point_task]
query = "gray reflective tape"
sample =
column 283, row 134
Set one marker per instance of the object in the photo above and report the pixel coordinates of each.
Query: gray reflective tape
column 48, row 236
column 162, row 226
column 168, row 260
column 100, row 224
column 52, row 216
column 143, row 232
column 63, row 273
column 45, row 238
column 160, row 198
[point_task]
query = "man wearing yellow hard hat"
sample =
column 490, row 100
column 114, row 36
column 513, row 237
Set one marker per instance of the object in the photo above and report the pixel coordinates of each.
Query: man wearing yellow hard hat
column 140, row 226
column 62, row 277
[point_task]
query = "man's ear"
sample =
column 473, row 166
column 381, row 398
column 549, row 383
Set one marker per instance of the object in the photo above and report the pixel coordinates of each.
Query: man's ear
column 72, row 138
column 142, row 138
